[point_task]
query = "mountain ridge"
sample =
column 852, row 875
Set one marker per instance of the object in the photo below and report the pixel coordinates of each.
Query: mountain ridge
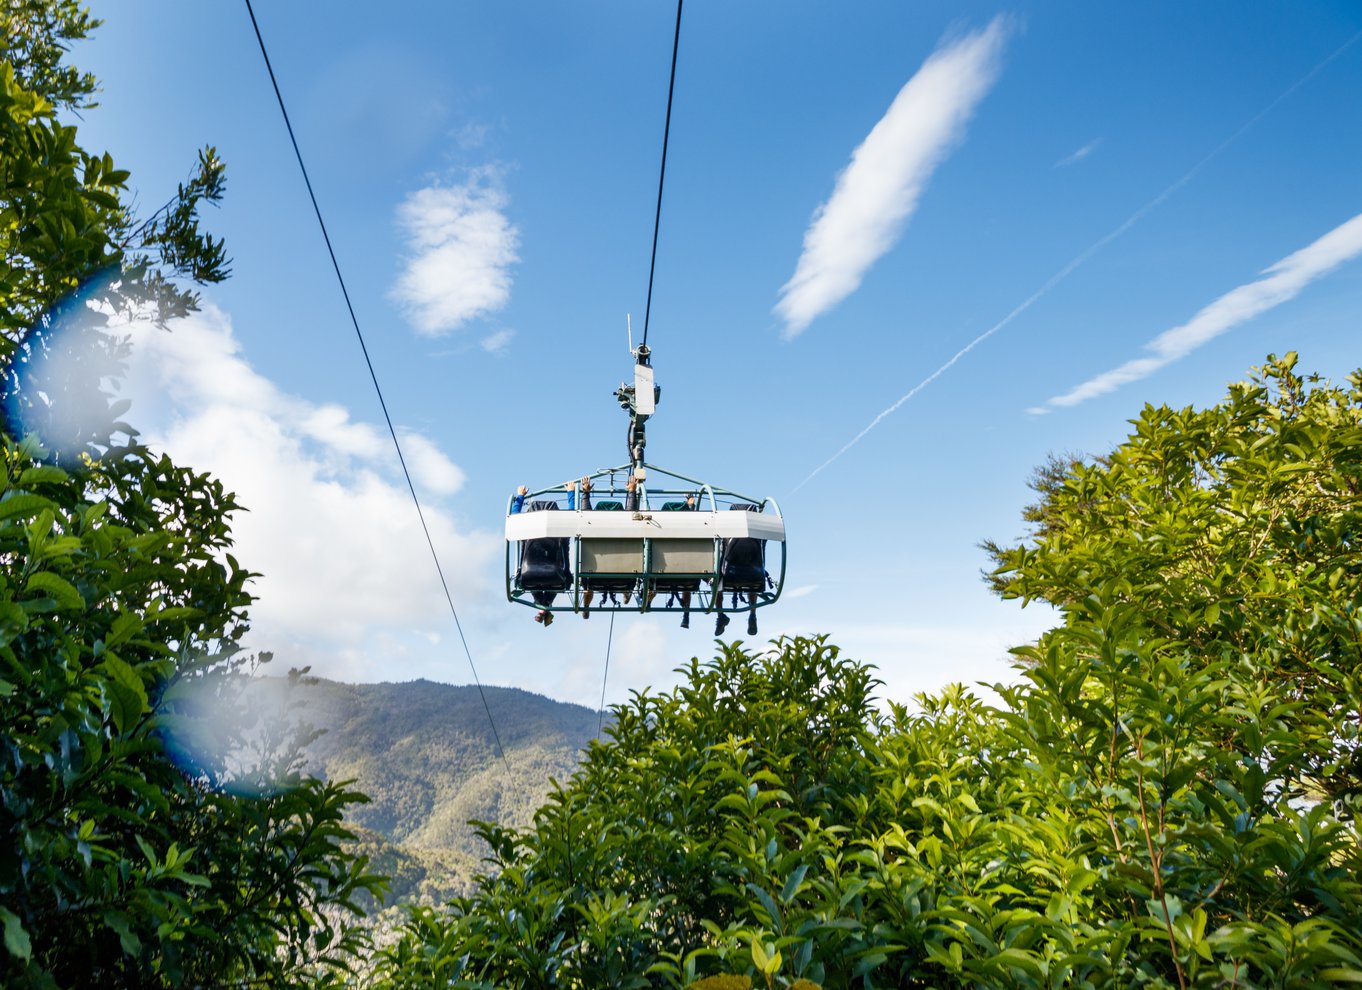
column 426, row 755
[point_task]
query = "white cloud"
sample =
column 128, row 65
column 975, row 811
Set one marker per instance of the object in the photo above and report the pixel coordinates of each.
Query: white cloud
column 472, row 135
column 431, row 470
column 880, row 188
column 495, row 343
column 346, row 576
column 1079, row 155
column 1054, row 280
column 1280, row 282
column 461, row 247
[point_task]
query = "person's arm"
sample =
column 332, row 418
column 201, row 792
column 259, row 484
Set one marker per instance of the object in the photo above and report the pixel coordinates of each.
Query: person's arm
column 518, row 502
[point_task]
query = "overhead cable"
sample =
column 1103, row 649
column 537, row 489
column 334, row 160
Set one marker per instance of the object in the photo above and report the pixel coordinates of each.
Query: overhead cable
column 662, row 172
column 610, row 638
column 373, row 376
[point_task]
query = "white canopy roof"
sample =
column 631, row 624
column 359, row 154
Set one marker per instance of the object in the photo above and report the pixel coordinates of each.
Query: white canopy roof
column 655, row 525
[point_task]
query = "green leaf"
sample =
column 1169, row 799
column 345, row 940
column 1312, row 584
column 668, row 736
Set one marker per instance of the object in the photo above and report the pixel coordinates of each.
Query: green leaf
column 17, row 942
column 23, row 504
column 1341, row 974
column 127, row 939
column 759, row 956
column 63, row 591
column 40, row 474
column 13, row 621
column 124, row 627
column 792, row 883
column 127, row 693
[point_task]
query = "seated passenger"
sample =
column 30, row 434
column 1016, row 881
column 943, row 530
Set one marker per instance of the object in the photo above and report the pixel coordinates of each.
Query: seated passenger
column 742, row 571
column 543, row 570
column 686, row 587
column 572, row 488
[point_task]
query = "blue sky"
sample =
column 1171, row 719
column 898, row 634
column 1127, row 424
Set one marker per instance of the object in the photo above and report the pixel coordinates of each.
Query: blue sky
column 855, row 193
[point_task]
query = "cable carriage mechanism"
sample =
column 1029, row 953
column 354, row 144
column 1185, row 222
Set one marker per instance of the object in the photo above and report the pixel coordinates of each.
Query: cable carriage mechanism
column 640, row 538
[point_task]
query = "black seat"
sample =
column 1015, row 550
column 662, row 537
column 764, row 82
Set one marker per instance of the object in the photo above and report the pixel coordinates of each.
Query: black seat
column 544, row 562
column 742, row 564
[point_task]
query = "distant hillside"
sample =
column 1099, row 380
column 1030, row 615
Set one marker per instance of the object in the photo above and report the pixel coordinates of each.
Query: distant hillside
column 425, row 755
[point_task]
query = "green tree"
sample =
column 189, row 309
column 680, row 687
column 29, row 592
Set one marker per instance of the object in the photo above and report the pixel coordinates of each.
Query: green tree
column 62, row 212
column 131, row 855
column 1236, row 531
column 1167, row 797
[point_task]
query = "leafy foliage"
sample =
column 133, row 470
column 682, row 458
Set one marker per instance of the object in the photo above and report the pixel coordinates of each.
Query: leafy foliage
column 1166, row 798
column 130, row 852
column 63, row 218
column 120, row 619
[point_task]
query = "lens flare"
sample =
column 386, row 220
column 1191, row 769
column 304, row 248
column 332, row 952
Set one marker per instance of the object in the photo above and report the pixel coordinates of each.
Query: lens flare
column 59, row 385
column 234, row 732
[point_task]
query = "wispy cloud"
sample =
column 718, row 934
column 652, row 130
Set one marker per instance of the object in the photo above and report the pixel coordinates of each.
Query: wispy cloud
column 461, row 247
column 880, row 188
column 1080, row 154
column 1083, row 256
column 1281, row 282
column 495, row 343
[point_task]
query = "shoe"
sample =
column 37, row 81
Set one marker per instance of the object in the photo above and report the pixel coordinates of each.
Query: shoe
column 685, row 621
column 720, row 624
column 548, row 619
column 539, row 616
column 751, row 623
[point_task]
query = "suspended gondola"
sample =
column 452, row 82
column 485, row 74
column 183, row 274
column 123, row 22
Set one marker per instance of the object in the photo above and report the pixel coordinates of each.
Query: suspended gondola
column 661, row 541
column 640, row 538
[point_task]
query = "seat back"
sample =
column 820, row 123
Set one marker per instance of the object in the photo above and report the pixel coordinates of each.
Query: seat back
column 742, row 564
column 544, row 562
column 609, row 505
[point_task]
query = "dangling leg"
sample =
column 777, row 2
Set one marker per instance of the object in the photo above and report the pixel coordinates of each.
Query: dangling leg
column 544, row 599
column 752, row 618
column 586, row 603
column 685, row 610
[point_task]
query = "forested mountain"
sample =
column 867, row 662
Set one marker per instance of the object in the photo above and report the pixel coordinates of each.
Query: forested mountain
column 426, row 756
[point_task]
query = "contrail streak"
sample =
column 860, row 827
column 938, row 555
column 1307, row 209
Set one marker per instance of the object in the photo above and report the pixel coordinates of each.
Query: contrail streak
column 1069, row 269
